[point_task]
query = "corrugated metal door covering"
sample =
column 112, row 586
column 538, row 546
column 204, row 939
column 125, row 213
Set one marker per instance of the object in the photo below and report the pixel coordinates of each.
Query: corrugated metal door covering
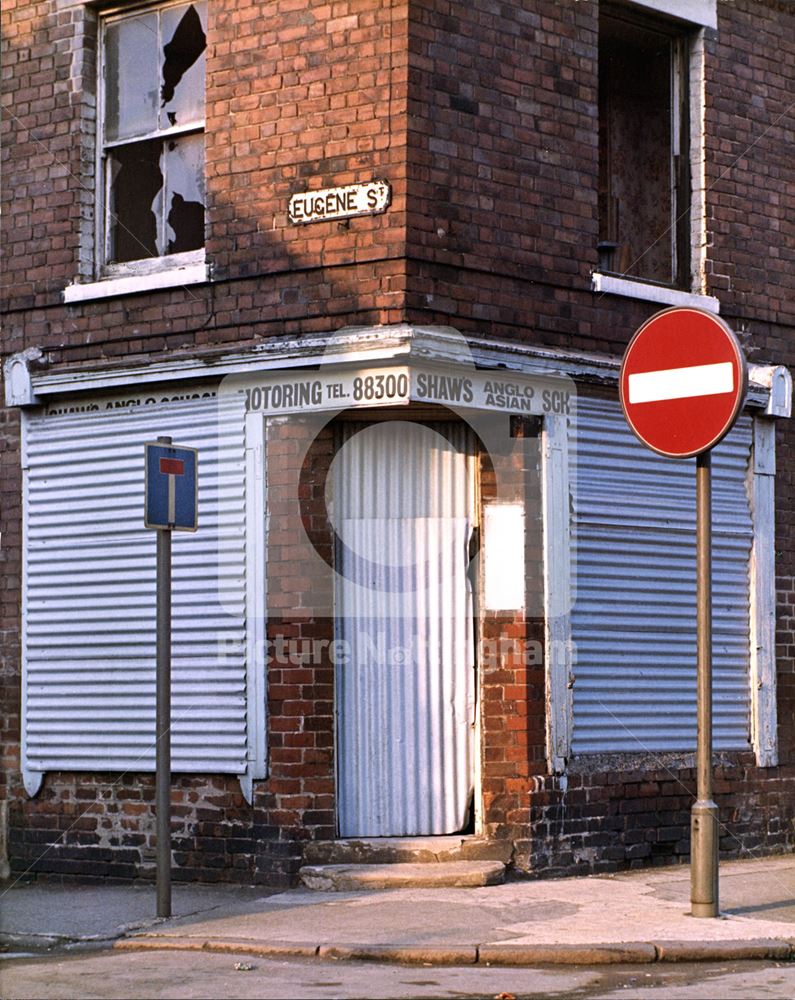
column 90, row 593
column 402, row 502
column 634, row 618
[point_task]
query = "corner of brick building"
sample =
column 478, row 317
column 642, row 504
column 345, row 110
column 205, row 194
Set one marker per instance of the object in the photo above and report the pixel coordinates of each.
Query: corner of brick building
column 491, row 153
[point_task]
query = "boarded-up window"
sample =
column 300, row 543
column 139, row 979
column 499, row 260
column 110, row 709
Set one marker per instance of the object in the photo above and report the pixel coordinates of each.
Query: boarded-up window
column 88, row 691
column 153, row 132
column 644, row 189
column 634, row 618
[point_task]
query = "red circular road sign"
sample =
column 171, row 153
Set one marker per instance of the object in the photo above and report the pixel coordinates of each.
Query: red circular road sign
column 683, row 382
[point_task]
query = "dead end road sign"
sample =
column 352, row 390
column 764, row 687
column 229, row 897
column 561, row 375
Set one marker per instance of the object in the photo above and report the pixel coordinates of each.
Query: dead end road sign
column 683, row 382
column 170, row 504
column 171, row 480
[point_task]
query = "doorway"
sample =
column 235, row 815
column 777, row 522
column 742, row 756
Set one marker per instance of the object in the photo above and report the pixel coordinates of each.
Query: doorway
column 402, row 499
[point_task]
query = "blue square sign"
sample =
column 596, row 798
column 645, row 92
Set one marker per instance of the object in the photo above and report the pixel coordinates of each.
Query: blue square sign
column 171, row 493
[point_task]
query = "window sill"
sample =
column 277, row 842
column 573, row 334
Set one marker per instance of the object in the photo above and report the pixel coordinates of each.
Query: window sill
column 106, row 288
column 606, row 284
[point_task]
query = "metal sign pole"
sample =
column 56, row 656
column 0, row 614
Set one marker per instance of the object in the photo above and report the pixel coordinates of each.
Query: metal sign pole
column 163, row 719
column 704, row 814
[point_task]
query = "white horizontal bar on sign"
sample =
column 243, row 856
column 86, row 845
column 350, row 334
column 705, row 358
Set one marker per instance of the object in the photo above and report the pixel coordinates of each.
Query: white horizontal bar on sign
column 680, row 383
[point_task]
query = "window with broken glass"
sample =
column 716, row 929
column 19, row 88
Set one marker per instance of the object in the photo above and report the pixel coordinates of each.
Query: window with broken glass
column 644, row 163
column 152, row 122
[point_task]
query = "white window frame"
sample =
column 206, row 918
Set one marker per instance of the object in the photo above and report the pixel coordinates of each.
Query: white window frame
column 145, row 274
column 175, row 274
column 698, row 14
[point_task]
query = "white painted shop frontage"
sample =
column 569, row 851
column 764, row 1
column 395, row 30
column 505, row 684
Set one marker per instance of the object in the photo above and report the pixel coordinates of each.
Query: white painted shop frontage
column 415, row 545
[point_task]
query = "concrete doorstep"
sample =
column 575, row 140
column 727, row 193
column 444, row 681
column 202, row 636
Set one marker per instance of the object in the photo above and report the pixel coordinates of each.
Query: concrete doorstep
column 443, row 874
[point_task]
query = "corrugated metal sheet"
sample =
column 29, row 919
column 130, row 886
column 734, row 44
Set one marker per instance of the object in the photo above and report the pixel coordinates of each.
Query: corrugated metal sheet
column 402, row 497
column 634, row 618
column 89, row 700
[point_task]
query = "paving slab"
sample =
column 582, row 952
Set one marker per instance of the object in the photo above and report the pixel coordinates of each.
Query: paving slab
column 41, row 914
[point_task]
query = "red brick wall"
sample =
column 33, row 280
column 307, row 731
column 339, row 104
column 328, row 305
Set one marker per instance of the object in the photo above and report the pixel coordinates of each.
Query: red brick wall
column 298, row 797
column 607, row 820
column 511, row 662
column 503, row 164
column 103, row 826
column 298, row 96
column 46, row 150
column 493, row 221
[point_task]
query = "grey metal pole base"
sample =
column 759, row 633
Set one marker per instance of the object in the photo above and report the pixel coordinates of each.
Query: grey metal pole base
column 704, row 859
column 704, row 814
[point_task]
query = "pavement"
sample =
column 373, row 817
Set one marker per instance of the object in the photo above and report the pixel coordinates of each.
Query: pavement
column 640, row 916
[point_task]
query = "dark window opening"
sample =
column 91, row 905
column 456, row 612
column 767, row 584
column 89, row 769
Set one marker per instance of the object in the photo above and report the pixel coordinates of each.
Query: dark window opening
column 186, row 219
column 136, row 182
column 644, row 190
column 154, row 132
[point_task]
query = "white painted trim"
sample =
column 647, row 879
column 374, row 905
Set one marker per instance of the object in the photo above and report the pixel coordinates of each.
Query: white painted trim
column 558, row 595
column 696, row 71
column 32, row 780
column 764, row 729
column 369, row 345
column 607, row 284
column 16, row 378
column 701, row 12
column 179, row 277
column 778, row 380
column 256, row 603
column 275, row 355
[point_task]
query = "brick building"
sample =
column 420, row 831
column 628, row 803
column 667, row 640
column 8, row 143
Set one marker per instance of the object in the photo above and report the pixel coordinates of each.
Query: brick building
column 378, row 262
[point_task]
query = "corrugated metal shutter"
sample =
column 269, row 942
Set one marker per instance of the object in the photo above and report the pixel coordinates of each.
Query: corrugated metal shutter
column 402, row 506
column 634, row 618
column 89, row 593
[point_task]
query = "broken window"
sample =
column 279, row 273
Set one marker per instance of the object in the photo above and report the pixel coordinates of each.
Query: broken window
column 644, row 170
column 153, row 132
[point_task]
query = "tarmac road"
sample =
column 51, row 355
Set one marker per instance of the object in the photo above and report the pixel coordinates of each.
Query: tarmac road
column 114, row 974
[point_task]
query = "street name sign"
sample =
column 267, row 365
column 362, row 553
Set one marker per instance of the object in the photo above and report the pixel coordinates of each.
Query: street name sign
column 339, row 202
column 171, row 493
column 683, row 382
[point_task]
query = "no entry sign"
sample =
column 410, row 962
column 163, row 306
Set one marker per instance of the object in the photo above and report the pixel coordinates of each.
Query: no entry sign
column 683, row 382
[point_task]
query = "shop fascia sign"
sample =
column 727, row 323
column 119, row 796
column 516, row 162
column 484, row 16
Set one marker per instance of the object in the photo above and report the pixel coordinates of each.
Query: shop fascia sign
column 281, row 393
column 302, row 391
